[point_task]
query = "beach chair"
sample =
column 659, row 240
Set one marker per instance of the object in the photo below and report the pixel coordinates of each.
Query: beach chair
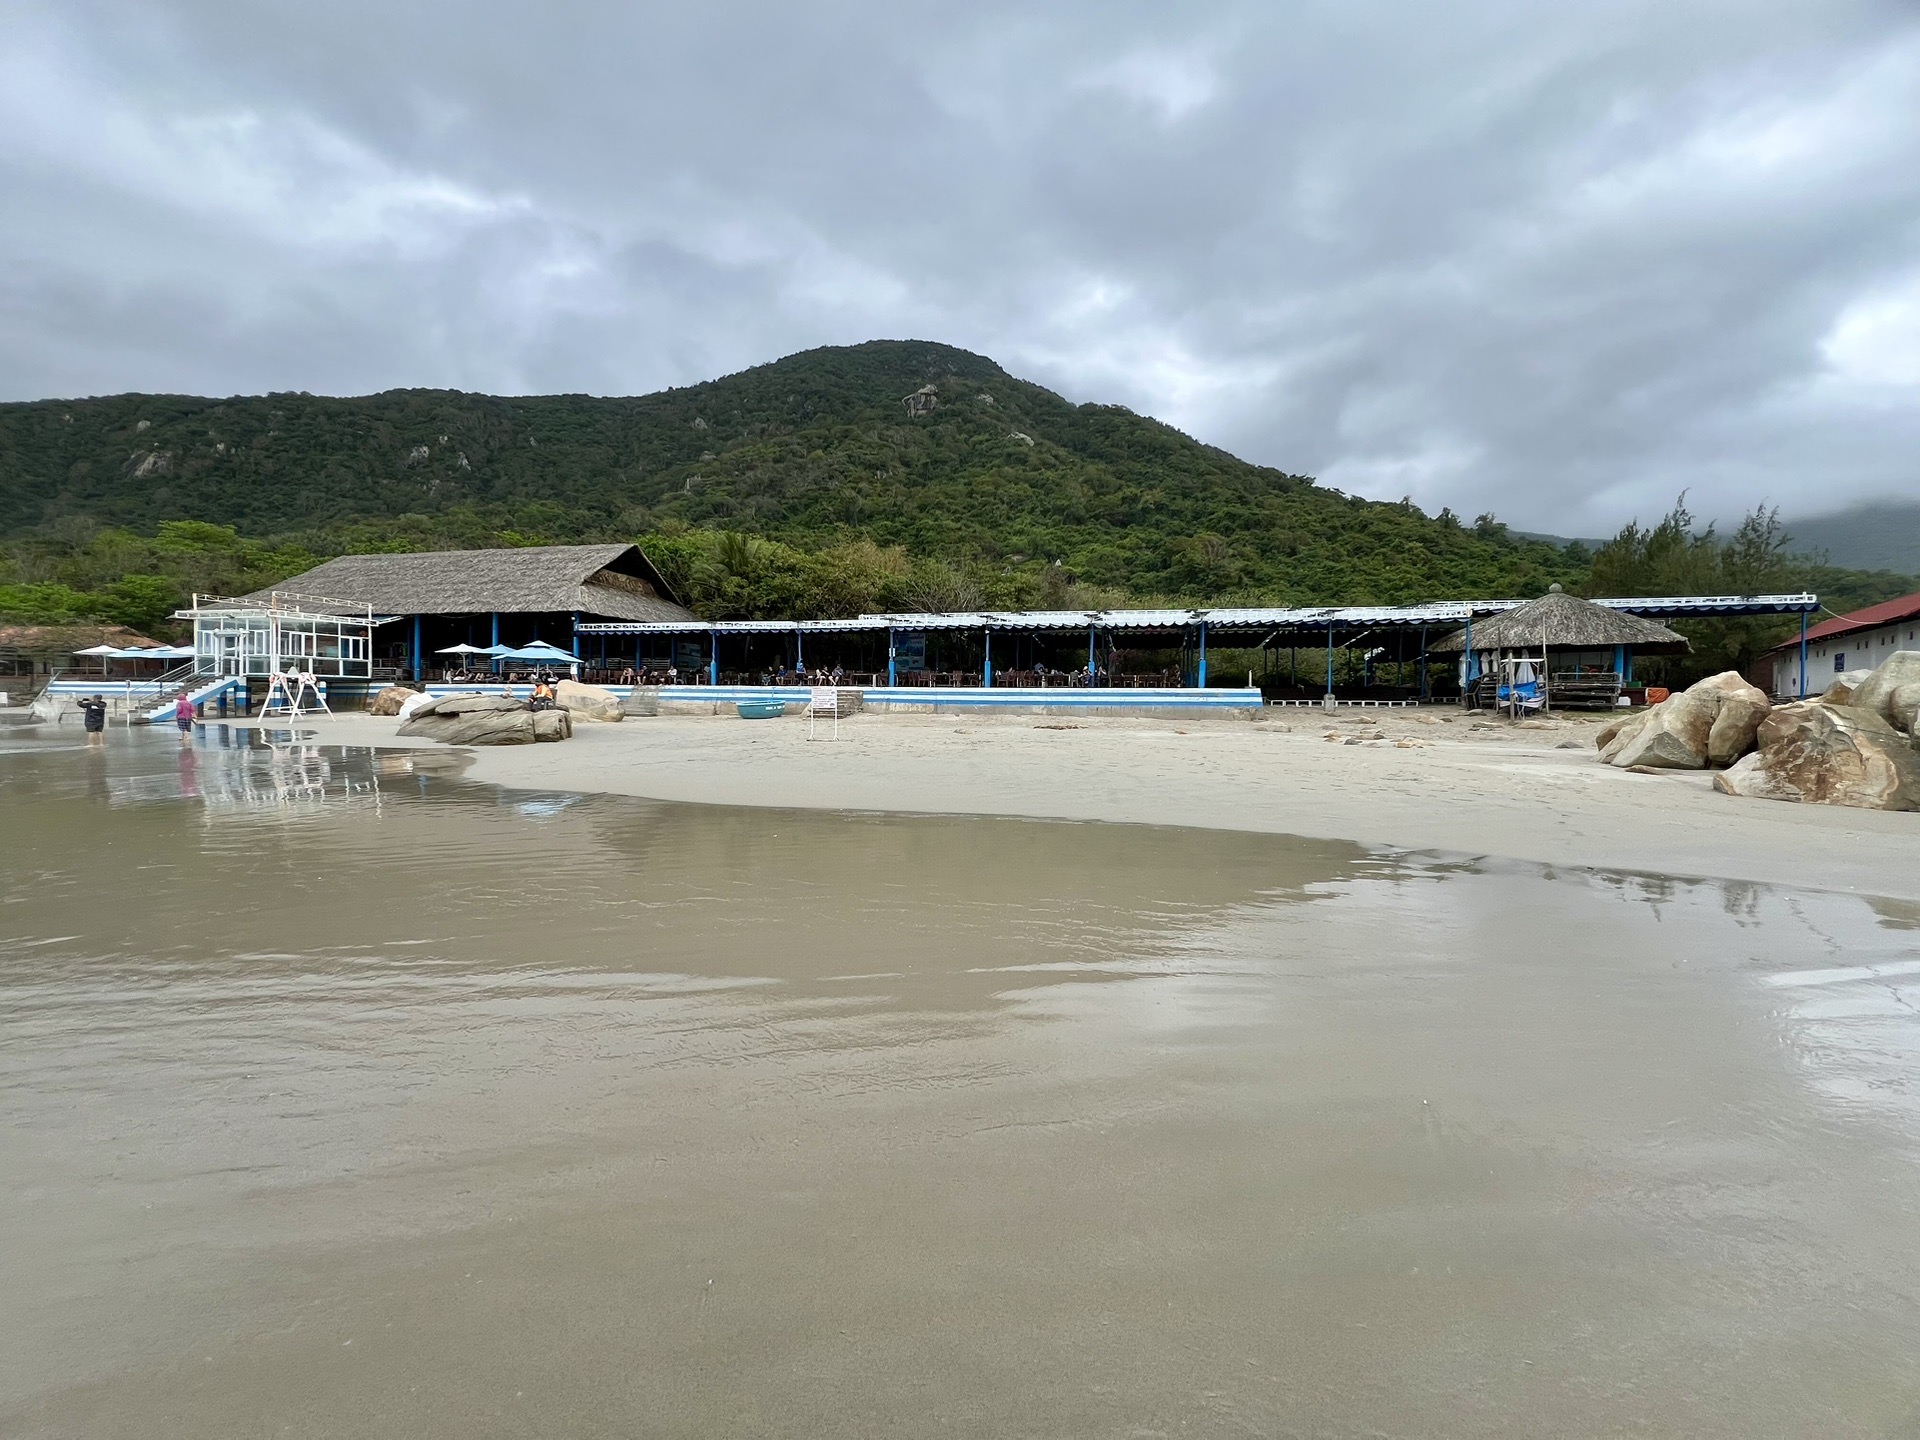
column 823, row 700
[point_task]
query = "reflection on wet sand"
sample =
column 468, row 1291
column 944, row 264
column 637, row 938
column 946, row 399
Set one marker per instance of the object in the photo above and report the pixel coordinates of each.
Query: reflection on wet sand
column 344, row 1097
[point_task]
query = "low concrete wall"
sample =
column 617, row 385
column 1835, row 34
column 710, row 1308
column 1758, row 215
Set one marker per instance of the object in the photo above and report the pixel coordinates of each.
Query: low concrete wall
column 1060, row 700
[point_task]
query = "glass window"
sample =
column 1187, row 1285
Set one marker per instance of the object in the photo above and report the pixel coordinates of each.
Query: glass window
column 1839, row 661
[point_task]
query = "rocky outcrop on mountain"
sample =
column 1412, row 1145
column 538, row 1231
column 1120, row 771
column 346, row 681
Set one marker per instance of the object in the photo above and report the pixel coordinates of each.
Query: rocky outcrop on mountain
column 1821, row 754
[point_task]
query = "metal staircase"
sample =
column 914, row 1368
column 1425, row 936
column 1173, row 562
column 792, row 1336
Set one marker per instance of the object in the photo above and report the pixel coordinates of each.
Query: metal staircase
column 185, row 680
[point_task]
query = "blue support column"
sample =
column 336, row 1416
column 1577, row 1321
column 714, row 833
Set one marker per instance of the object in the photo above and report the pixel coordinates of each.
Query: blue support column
column 1203, row 655
column 1620, row 662
column 890, row 674
column 713, row 657
column 986, row 669
column 1803, row 654
column 1329, row 657
column 799, row 650
column 1467, row 662
column 1089, row 654
column 576, row 634
column 494, row 660
column 419, row 660
column 1425, row 692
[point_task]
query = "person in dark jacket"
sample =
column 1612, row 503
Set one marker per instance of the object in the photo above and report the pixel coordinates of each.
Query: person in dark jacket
column 93, row 714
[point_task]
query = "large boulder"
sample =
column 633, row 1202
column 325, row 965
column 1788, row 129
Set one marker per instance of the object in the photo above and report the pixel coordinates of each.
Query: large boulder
column 1734, row 729
column 1820, row 754
column 1892, row 691
column 1603, row 737
column 474, row 720
column 586, row 702
column 553, row 725
column 1677, row 734
column 1615, row 737
column 413, row 703
column 1840, row 690
column 389, row 700
column 1673, row 737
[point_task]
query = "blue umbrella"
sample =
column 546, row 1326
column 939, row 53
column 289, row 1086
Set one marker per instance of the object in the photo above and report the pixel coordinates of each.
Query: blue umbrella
column 539, row 652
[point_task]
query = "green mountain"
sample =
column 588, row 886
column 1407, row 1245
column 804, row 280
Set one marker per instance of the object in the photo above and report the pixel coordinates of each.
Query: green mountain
column 905, row 444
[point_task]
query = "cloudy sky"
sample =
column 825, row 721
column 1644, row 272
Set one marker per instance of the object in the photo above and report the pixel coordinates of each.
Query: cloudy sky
column 1559, row 261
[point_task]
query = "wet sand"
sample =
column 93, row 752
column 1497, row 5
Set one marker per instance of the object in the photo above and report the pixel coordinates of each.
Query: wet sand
column 344, row 1096
column 1459, row 786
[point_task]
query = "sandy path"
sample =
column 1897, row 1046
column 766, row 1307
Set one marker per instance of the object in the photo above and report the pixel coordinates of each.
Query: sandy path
column 1488, row 791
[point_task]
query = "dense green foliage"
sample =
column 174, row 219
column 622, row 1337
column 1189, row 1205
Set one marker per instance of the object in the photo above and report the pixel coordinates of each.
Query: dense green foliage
column 808, row 487
column 999, row 481
column 1674, row 558
column 85, row 573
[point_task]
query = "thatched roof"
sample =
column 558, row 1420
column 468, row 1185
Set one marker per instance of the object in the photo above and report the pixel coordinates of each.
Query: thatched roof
column 612, row 582
column 1568, row 622
column 63, row 640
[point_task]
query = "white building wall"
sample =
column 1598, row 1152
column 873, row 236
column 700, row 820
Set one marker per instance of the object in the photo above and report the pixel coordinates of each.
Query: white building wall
column 1856, row 650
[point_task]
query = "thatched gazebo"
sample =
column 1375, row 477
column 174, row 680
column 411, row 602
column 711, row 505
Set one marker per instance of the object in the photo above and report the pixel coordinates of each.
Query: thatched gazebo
column 1588, row 648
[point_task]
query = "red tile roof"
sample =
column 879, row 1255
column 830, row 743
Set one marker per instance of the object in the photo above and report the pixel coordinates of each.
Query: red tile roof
column 1885, row 613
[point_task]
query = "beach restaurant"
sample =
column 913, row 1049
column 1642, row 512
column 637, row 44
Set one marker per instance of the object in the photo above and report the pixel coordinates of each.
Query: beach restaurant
column 604, row 612
column 430, row 605
column 1155, row 658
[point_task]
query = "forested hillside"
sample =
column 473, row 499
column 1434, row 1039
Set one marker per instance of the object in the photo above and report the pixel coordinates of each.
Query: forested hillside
column 892, row 475
column 815, row 450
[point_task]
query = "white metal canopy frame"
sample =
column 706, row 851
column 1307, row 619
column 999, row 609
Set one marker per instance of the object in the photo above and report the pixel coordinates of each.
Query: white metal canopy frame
column 1266, row 626
column 1237, row 620
column 268, row 636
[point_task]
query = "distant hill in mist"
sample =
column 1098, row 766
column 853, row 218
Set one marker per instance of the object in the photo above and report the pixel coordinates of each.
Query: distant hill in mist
column 1879, row 535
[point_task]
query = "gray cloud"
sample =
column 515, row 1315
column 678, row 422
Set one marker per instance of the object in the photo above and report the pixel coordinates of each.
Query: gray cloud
column 1555, row 261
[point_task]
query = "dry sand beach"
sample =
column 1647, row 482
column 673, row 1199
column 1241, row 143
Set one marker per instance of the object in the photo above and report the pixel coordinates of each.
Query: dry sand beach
column 1430, row 780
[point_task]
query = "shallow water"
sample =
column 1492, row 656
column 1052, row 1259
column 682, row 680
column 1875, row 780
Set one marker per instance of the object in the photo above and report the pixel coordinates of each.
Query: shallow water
column 344, row 1097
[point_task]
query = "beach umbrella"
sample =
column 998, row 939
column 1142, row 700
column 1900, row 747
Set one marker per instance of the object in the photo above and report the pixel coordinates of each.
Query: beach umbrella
column 541, row 653
column 465, row 650
column 153, row 652
column 98, row 652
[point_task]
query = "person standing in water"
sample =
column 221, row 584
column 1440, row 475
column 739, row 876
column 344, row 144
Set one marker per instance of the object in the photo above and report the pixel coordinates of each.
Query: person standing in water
column 183, row 717
column 93, row 714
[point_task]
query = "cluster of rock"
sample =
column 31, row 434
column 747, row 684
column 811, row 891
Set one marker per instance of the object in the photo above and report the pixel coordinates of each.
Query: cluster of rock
column 1854, row 745
column 1711, row 723
column 485, row 720
column 469, row 719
